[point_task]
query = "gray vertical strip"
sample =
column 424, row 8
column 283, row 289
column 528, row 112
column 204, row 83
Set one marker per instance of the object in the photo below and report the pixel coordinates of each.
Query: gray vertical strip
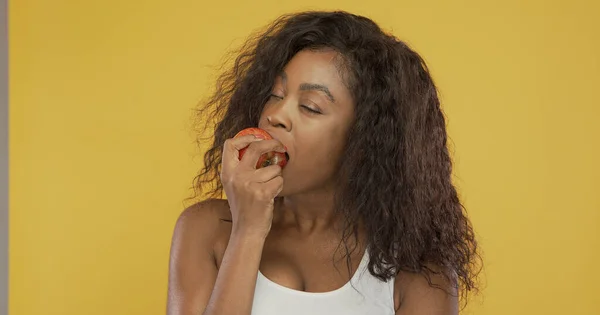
column 3, row 157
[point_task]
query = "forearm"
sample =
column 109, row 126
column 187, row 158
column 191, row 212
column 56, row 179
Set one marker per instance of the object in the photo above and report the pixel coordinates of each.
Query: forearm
column 233, row 292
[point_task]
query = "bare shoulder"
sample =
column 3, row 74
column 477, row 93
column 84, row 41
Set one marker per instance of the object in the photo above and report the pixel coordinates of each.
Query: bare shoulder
column 206, row 211
column 192, row 266
column 418, row 294
column 203, row 221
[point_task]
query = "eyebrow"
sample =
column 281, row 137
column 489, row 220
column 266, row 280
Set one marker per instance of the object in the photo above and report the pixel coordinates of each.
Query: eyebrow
column 317, row 87
column 310, row 87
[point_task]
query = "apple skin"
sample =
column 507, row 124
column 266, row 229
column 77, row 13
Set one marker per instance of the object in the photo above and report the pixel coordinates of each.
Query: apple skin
column 270, row 158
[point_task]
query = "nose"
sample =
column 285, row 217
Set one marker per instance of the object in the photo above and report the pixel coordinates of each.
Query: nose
column 276, row 122
column 277, row 117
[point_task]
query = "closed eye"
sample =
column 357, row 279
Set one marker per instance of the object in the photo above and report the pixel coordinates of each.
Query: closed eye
column 310, row 110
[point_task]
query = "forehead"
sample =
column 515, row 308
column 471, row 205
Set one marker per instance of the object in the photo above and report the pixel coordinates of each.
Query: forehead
column 322, row 67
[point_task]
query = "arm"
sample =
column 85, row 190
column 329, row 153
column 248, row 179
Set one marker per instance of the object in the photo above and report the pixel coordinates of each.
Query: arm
column 196, row 287
column 416, row 297
column 192, row 269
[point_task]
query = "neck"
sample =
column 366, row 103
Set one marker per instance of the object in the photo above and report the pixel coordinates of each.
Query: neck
column 308, row 213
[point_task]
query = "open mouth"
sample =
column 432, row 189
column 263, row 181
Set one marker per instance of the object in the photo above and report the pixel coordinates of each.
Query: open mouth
column 287, row 156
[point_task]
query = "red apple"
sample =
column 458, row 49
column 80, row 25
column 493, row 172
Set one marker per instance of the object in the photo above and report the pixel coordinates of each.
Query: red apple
column 266, row 159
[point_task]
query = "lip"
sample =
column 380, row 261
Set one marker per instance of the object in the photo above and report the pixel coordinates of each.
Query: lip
column 287, row 152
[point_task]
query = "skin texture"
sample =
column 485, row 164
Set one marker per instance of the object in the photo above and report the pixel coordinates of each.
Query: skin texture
column 292, row 240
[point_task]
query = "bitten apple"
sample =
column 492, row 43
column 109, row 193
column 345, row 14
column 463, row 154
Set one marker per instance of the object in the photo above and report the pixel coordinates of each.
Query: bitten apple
column 270, row 158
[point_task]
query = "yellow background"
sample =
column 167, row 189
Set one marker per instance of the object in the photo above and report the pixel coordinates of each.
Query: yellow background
column 102, row 154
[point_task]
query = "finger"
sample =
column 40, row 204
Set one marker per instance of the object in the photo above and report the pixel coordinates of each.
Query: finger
column 256, row 149
column 265, row 174
column 231, row 148
column 241, row 142
column 275, row 185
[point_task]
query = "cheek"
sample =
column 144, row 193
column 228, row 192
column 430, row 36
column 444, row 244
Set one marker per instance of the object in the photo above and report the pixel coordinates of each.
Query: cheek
column 317, row 160
column 320, row 157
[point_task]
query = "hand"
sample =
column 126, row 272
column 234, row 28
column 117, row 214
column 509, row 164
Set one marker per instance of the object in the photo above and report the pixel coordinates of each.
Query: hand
column 250, row 191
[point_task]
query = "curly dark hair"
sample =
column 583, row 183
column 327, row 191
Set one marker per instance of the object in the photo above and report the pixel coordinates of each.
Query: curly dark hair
column 397, row 179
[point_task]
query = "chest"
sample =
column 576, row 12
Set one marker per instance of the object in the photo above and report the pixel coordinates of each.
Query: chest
column 308, row 266
column 312, row 277
column 303, row 281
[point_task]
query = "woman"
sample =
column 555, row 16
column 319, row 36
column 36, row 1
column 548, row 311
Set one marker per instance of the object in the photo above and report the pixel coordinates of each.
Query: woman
column 363, row 219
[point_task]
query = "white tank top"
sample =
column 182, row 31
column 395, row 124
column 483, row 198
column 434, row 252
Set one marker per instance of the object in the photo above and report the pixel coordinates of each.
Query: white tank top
column 362, row 295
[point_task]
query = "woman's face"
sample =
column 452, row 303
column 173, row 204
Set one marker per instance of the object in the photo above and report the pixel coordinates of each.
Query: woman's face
column 310, row 111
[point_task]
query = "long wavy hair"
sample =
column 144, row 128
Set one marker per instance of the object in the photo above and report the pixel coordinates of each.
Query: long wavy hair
column 396, row 179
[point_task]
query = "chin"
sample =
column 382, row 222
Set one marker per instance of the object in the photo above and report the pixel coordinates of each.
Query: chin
column 281, row 194
column 285, row 192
